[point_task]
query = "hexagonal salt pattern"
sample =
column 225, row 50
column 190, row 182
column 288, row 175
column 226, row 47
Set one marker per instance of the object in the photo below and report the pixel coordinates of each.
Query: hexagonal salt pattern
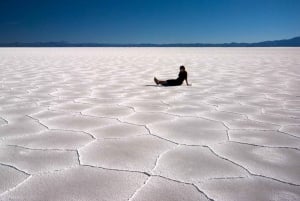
column 191, row 131
column 278, row 163
column 52, row 139
column 223, row 116
column 250, row 124
column 158, row 188
column 275, row 119
column 81, row 183
column 97, row 101
column 34, row 161
column 67, row 134
column 77, row 122
column 135, row 153
column 12, row 114
column 187, row 110
column 254, row 188
column 145, row 118
column 264, row 138
column 47, row 114
column 10, row 177
column 109, row 111
column 194, row 164
column 119, row 130
column 283, row 112
column 147, row 106
column 21, row 127
column 292, row 130
column 70, row 107
column 240, row 109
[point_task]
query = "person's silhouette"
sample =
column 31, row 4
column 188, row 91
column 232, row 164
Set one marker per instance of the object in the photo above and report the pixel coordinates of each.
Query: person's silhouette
column 174, row 82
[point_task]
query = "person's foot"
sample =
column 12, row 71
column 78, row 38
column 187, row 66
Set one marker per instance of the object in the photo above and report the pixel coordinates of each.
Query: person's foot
column 156, row 80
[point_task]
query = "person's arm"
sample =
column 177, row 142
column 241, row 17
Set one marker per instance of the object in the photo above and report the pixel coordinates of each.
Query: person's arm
column 187, row 83
column 186, row 80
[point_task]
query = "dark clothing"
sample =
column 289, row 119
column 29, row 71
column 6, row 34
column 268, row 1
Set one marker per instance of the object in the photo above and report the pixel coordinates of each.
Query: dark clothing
column 181, row 77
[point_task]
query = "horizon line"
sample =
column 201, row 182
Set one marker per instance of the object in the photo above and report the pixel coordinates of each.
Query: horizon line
column 66, row 43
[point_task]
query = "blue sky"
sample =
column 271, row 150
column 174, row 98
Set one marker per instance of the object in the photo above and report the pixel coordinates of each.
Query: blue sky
column 148, row 21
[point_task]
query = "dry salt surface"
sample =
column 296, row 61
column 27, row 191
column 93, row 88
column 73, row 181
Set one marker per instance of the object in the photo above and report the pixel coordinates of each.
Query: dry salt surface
column 89, row 124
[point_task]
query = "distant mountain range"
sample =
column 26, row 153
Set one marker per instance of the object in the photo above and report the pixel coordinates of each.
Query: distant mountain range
column 293, row 42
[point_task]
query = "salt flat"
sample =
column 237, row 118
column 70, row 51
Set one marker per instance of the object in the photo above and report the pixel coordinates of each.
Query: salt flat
column 89, row 124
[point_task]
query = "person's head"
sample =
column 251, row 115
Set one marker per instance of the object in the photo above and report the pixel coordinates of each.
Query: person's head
column 182, row 68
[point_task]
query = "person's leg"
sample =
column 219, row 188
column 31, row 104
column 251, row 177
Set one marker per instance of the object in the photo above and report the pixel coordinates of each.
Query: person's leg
column 156, row 80
column 162, row 82
column 159, row 81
